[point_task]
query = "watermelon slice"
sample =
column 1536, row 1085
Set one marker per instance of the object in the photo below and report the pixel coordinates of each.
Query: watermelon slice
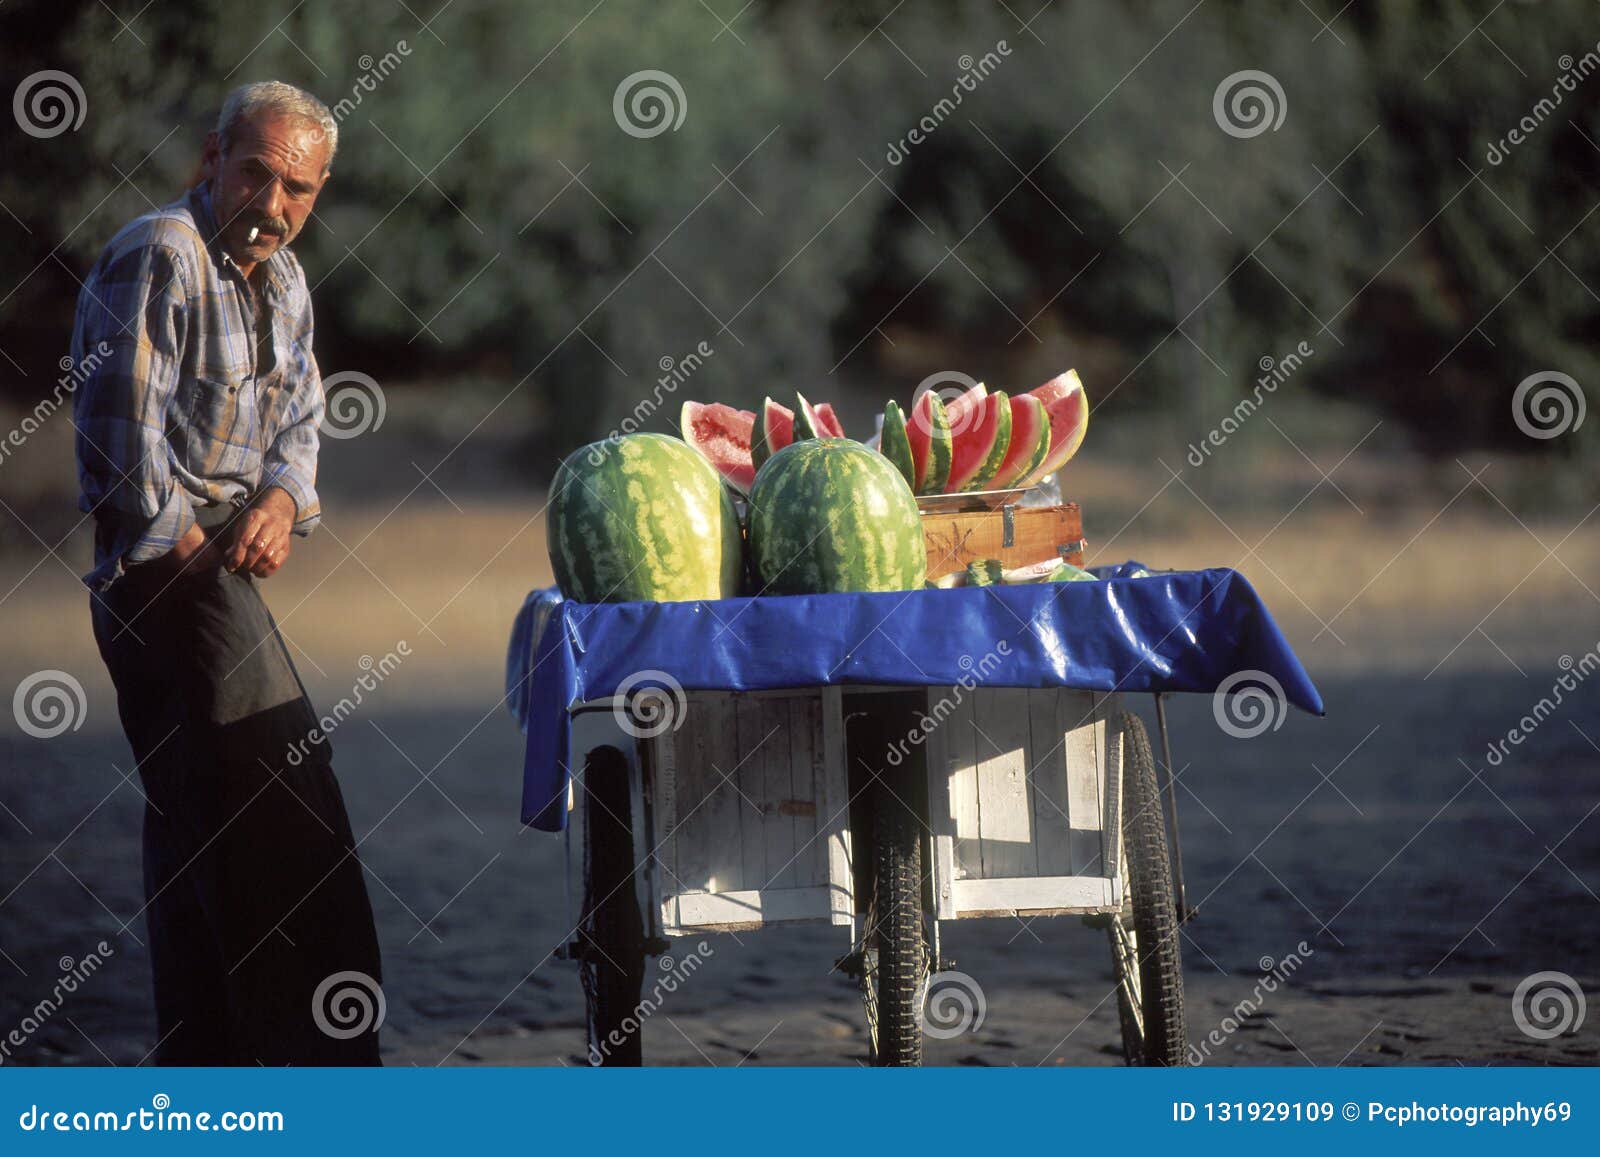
column 806, row 422
column 1030, row 442
column 929, row 434
column 1068, row 407
column 964, row 410
column 773, row 432
column 978, row 452
column 830, row 421
column 722, row 434
column 896, row 446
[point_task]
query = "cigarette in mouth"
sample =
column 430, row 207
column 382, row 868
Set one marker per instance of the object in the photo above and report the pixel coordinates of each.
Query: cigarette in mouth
column 255, row 231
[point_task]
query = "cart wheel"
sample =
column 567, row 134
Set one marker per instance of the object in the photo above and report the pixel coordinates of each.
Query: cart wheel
column 895, row 964
column 1144, row 935
column 612, row 934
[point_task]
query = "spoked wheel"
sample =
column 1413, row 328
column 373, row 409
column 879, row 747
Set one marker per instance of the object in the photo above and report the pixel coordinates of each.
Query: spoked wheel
column 1144, row 935
column 895, row 962
column 611, row 938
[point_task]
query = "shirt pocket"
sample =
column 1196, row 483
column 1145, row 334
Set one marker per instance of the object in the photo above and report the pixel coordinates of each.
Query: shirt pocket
column 214, row 416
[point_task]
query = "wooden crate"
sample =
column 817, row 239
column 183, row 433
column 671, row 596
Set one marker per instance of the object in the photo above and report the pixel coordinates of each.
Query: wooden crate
column 1023, row 790
column 1016, row 535
column 750, row 812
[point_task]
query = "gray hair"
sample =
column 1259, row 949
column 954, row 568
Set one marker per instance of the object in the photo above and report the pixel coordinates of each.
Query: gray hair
column 277, row 98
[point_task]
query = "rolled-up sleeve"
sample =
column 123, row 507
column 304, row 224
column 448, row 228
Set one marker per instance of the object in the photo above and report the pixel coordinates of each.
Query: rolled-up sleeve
column 291, row 460
column 128, row 345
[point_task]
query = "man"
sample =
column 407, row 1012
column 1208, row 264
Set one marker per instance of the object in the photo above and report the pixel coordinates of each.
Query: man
column 197, row 456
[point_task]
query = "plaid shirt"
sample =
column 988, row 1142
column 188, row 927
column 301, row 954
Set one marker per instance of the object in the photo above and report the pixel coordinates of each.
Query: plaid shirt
column 191, row 404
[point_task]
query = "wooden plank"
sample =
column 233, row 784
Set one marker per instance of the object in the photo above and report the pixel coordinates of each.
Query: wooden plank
column 833, row 809
column 718, row 836
column 754, row 752
column 1047, row 753
column 1078, row 719
column 1005, row 804
column 770, row 906
column 776, row 758
column 1084, row 893
column 961, row 772
column 809, row 866
column 939, row 814
column 1112, row 841
column 953, row 540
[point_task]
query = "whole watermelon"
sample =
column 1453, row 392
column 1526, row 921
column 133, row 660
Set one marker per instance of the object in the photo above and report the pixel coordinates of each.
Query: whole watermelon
column 831, row 515
column 643, row 518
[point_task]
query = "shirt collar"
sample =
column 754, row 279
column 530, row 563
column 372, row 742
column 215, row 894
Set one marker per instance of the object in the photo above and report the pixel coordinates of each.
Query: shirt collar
column 205, row 216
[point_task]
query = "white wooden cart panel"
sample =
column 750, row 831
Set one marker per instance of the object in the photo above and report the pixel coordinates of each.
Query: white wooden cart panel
column 751, row 811
column 1022, row 791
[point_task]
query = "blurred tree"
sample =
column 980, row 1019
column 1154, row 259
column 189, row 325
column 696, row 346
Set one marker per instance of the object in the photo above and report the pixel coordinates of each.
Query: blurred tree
column 1081, row 204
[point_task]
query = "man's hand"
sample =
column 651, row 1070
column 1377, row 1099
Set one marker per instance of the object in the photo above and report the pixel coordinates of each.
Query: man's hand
column 191, row 554
column 260, row 536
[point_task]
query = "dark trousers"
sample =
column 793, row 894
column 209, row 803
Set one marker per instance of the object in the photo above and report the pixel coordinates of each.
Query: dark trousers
column 261, row 933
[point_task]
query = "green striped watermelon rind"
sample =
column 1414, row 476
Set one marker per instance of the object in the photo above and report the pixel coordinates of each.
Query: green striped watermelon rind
column 929, row 425
column 1030, row 442
column 806, row 422
column 828, row 516
column 895, row 445
column 643, row 518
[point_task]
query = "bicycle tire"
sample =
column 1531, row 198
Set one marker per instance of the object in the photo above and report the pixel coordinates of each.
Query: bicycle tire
column 1149, row 978
column 895, row 937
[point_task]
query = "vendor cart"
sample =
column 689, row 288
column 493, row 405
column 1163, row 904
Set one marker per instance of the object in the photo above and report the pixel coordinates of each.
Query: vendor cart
column 883, row 763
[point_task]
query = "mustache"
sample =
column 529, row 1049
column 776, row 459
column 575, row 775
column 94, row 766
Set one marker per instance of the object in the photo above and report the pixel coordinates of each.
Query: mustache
column 273, row 226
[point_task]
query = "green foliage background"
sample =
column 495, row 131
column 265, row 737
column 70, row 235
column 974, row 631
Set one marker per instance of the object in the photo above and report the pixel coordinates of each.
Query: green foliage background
column 484, row 188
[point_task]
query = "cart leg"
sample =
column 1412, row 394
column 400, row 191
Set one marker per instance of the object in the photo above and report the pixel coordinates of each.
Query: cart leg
column 612, row 934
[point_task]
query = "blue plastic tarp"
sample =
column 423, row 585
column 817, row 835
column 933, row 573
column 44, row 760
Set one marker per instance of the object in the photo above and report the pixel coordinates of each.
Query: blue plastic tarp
column 1171, row 631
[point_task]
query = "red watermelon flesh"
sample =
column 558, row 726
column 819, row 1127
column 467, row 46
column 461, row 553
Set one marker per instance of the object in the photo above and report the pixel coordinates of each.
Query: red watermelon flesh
column 1030, row 442
column 976, row 448
column 1068, row 407
column 962, row 412
column 773, row 432
column 722, row 434
column 831, row 426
